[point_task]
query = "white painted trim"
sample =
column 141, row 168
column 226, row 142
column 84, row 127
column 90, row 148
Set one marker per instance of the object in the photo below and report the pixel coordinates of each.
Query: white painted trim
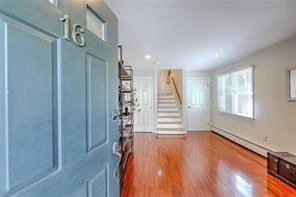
column 184, row 97
column 245, row 143
column 155, row 101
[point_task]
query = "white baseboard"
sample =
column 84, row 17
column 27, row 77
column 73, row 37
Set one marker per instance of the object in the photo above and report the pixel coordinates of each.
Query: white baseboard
column 245, row 143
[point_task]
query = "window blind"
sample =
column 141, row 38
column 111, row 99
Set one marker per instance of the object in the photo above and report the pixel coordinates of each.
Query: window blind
column 235, row 92
column 293, row 83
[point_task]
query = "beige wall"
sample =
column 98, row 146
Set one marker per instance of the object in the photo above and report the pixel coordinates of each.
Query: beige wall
column 275, row 117
column 178, row 77
column 143, row 73
column 162, row 87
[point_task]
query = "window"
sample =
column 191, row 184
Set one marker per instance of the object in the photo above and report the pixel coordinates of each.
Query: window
column 235, row 92
column 95, row 24
column 292, row 81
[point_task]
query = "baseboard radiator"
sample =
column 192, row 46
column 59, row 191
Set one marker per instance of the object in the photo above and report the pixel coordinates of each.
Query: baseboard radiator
column 245, row 143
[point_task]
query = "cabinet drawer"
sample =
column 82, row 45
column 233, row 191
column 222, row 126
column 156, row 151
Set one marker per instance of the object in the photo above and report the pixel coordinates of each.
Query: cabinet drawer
column 287, row 170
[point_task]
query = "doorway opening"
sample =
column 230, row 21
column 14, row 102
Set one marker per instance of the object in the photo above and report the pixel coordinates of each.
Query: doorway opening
column 170, row 102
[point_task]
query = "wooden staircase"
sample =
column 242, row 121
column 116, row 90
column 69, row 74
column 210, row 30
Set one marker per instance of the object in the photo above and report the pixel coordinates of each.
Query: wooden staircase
column 168, row 116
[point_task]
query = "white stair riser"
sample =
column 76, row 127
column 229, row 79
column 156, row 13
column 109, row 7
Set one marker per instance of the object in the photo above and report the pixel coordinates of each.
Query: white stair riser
column 173, row 126
column 168, row 114
column 168, row 109
column 169, row 119
column 167, row 101
column 173, row 105
column 168, row 132
column 166, row 97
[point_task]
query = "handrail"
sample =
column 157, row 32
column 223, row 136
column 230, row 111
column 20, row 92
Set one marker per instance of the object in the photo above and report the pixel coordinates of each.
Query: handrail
column 176, row 90
column 169, row 79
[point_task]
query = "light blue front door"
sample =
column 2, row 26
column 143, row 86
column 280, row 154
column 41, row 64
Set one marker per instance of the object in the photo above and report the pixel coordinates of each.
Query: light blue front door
column 57, row 98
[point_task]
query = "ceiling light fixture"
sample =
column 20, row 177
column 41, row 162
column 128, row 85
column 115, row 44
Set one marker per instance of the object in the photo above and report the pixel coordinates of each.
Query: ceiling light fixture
column 147, row 57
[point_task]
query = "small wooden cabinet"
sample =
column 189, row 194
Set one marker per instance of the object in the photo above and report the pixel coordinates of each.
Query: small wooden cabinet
column 282, row 165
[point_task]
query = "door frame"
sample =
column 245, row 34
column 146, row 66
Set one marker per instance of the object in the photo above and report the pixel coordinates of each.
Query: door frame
column 152, row 100
column 186, row 119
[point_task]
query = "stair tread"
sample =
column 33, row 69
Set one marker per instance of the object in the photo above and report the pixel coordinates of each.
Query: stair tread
column 170, row 129
column 168, row 111
column 173, row 122
column 174, row 108
column 171, row 133
column 168, row 107
column 171, row 119
column 168, row 117
column 164, row 114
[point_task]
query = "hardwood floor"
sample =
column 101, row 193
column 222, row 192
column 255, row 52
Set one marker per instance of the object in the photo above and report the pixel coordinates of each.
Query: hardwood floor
column 200, row 164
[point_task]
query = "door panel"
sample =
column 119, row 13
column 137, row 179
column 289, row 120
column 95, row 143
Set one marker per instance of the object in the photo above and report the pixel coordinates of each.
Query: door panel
column 197, row 104
column 56, row 98
column 98, row 185
column 96, row 103
column 29, row 83
column 143, row 119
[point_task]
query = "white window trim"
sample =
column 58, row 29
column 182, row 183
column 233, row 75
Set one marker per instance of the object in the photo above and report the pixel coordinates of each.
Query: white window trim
column 289, row 84
column 229, row 71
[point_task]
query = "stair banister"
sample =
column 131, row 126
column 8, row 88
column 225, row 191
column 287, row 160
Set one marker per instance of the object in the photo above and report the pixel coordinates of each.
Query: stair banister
column 176, row 91
column 171, row 81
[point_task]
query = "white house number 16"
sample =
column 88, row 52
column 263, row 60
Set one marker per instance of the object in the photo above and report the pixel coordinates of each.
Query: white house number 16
column 76, row 33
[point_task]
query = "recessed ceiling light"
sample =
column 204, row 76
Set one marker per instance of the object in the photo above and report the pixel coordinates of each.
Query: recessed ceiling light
column 216, row 56
column 147, row 57
column 157, row 63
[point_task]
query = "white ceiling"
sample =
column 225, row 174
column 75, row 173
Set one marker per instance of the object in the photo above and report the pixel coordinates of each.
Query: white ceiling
column 187, row 33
